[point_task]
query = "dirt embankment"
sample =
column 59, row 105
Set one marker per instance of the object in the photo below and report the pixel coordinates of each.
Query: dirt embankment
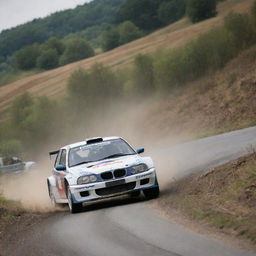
column 221, row 200
column 220, row 102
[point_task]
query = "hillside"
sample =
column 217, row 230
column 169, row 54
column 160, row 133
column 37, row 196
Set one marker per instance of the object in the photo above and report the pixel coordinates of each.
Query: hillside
column 60, row 24
column 52, row 83
column 225, row 206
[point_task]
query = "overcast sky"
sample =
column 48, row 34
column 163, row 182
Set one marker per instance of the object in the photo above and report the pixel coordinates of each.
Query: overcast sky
column 14, row 12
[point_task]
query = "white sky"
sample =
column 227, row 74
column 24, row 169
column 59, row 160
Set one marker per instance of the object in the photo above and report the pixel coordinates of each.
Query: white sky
column 15, row 12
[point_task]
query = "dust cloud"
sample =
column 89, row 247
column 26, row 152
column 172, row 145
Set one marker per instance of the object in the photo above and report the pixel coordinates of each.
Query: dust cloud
column 130, row 121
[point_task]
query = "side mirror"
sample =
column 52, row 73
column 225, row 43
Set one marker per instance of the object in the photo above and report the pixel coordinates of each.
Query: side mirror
column 140, row 150
column 60, row 168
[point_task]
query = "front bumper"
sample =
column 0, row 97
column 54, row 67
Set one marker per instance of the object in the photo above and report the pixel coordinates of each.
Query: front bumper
column 94, row 191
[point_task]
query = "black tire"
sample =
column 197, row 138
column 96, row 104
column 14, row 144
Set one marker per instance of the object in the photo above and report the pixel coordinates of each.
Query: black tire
column 135, row 194
column 151, row 193
column 73, row 208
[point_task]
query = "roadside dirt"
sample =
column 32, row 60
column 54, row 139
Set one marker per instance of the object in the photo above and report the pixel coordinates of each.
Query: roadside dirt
column 219, row 202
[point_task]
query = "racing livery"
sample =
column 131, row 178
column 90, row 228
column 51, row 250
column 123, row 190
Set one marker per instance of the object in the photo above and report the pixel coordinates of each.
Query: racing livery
column 97, row 168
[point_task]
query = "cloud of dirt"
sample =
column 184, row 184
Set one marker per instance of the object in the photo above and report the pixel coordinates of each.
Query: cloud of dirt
column 119, row 119
column 28, row 187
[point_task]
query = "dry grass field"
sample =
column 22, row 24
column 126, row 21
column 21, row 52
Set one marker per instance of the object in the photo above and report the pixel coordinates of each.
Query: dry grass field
column 52, row 83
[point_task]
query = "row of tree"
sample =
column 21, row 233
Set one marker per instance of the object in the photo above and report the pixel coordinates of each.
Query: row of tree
column 91, row 91
column 51, row 54
column 92, row 18
column 130, row 19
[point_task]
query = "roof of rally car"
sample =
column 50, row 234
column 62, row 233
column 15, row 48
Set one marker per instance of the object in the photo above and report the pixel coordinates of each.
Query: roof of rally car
column 84, row 142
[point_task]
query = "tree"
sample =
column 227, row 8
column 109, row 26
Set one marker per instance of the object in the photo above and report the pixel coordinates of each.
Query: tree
column 48, row 59
column 128, row 32
column 171, row 11
column 25, row 58
column 110, row 39
column 198, row 10
column 76, row 49
column 55, row 44
column 143, row 13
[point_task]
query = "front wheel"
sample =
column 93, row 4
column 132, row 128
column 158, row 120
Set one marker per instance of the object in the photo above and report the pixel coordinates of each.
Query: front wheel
column 152, row 193
column 73, row 208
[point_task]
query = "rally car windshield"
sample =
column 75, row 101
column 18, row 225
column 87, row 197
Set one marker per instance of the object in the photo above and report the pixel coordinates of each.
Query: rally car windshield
column 98, row 151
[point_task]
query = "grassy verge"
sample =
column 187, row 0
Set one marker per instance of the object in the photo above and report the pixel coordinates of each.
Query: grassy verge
column 223, row 198
column 9, row 211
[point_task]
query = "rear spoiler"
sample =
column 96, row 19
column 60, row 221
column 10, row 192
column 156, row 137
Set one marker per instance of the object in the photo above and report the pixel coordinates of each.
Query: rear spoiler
column 54, row 153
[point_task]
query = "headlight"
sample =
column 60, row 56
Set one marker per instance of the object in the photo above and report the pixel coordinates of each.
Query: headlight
column 139, row 168
column 86, row 179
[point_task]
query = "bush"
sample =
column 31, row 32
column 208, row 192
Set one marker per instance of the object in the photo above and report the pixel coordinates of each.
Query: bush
column 144, row 79
column 10, row 148
column 110, row 39
column 25, row 58
column 170, row 11
column 76, row 49
column 55, row 44
column 32, row 120
column 128, row 32
column 209, row 52
column 48, row 59
column 241, row 29
column 198, row 10
column 93, row 88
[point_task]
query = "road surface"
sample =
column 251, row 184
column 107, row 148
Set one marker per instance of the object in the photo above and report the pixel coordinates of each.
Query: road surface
column 125, row 227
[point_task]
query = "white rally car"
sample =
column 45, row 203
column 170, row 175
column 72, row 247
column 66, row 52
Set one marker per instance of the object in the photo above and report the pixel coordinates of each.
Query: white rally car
column 97, row 168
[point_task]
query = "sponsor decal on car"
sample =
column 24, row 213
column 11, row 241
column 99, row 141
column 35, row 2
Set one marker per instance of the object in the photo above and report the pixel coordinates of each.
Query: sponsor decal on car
column 106, row 163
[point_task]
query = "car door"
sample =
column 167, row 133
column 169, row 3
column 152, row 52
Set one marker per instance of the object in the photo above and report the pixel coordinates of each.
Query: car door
column 60, row 175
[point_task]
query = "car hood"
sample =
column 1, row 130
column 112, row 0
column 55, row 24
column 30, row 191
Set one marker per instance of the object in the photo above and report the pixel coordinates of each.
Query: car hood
column 106, row 165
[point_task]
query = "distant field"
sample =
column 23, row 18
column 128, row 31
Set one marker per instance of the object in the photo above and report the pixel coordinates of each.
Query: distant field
column 52, row 83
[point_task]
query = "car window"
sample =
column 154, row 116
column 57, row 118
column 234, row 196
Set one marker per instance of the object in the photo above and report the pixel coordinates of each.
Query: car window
column 57, row 160
column 63, row 157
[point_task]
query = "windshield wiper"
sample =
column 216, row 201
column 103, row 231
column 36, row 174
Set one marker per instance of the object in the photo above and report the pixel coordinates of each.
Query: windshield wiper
column 116, row 155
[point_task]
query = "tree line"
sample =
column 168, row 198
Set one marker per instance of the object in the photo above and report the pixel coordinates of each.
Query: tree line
column 89, row 92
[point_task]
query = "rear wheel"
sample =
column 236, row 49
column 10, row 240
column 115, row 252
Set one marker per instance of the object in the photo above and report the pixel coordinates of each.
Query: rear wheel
column 151, row 193
column 74, row 208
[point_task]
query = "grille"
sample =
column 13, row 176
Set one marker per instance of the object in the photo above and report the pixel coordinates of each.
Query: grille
column 115, row 189
column 107, row 175
column 119, row 173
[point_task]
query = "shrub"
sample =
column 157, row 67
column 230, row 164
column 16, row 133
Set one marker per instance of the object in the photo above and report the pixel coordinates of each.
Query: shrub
column 25, row 58
column 128, row 32
column 76, row 49
column 110, row 39
column 198, row 10
column 93, row 88
column 55, row 44
column 241, row 29
column 209, row 52
column 48, row 59
column 10, row 148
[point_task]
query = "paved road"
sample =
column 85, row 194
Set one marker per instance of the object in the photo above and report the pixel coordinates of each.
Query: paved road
column 123, row 227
